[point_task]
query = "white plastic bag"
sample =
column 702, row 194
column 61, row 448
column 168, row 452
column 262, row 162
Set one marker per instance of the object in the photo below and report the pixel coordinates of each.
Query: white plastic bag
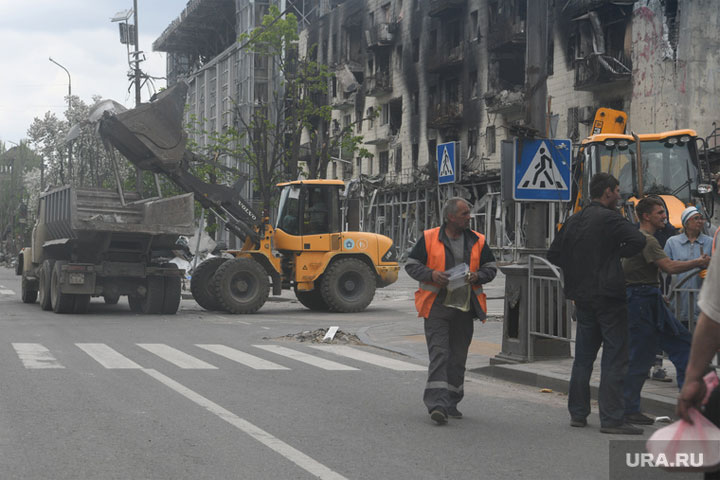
column 684, row 447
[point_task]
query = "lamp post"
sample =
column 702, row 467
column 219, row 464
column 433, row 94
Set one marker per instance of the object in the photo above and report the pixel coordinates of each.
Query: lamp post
column 70, row 169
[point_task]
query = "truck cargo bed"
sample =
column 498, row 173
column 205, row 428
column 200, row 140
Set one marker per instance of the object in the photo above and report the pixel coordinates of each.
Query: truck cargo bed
column 70, row 211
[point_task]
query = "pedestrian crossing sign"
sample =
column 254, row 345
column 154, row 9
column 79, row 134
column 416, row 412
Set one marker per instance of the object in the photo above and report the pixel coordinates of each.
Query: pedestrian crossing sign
column 542, row 170
column 447, row 163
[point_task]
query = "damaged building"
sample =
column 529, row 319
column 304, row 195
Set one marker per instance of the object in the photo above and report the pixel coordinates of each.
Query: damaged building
column 413, row 74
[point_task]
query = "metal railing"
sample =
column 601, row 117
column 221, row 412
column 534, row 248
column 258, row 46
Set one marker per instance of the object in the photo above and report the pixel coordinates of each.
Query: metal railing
column 549, row 313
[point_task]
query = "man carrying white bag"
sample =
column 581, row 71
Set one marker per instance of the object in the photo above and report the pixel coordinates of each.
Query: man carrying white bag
column 693, row 427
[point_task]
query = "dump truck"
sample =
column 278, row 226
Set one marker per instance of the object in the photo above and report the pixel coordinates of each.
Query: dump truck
column 306, row 248
column 94, row 242
column 668, row 165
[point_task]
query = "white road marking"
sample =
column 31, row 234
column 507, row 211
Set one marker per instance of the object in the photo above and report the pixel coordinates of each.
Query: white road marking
column 241, row 357
column 176, row 357
column 106, row 356
column 300, row 459
column 5, row 291
column 34, row 355
column 305, row 358
column 371, row 358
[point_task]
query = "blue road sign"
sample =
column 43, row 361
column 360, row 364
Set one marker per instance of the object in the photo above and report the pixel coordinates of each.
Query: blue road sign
column 542, row 170
column 446, row 163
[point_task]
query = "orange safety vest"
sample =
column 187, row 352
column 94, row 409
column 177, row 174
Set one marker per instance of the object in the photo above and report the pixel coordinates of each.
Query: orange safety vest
column 428, row 291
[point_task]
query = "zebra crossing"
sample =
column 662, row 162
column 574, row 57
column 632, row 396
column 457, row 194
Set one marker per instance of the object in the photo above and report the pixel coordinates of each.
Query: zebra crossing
column 34, row 356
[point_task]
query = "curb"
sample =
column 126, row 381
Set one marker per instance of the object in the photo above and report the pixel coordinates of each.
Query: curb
column 649, row 401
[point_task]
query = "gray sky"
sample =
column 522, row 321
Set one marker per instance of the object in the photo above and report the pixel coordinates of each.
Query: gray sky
column 79, row 35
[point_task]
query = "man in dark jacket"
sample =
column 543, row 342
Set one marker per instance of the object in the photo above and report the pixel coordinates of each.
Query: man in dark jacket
column 588, row 250
column 448, row 311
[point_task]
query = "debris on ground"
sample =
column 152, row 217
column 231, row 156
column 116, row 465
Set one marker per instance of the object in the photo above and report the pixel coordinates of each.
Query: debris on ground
column 546, row 390
column 317, row 336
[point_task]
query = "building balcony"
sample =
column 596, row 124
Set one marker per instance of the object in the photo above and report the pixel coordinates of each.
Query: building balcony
column 445, row 59
column 580, row 7
column 445, row 115
column 601, row 71
column 381, row 35
column 381, row 134
column 507, row 34
column 343, row 102
column 378, row 85
column 505, row 101
column 441, row 8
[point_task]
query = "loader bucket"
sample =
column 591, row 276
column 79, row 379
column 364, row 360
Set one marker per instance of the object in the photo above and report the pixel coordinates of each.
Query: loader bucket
column 151, row 136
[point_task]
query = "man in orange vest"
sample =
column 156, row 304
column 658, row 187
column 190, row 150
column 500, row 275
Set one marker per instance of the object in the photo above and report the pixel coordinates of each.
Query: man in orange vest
column 449, row 312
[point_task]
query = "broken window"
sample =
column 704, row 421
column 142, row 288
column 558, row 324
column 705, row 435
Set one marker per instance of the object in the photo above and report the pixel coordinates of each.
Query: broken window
column 384, row 161
column 384, row 114
column 415, row 156
column 398, row 160
column 490, row 139
column 474, row 33
column 473, row 84
column 600, row 46
column 472, row 142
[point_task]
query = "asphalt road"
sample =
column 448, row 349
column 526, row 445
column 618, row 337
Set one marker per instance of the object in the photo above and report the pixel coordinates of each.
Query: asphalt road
column 117, row 395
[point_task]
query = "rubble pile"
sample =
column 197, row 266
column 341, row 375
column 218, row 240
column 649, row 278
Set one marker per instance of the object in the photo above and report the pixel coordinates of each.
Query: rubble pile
column 316, row 336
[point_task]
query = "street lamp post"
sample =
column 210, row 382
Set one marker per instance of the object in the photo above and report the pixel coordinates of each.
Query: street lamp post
column 70, row 169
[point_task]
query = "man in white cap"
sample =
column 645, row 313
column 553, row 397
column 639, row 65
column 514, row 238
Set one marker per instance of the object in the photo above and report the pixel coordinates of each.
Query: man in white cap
column 689, row 245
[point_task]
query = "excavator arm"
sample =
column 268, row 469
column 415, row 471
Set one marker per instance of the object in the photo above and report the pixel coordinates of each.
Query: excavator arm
column 152, row 138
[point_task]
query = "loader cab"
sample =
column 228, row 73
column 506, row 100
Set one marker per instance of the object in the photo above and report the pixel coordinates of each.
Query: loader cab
column 669, row 166
column 310, row 208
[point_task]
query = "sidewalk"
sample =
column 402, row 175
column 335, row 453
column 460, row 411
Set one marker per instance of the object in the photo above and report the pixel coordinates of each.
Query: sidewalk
column 406, row 336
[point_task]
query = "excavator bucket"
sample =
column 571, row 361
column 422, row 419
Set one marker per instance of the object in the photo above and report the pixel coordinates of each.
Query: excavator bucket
column 151, row 136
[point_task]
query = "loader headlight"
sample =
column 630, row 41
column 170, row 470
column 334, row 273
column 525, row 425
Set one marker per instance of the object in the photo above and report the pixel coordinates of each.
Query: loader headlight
column 391, row 255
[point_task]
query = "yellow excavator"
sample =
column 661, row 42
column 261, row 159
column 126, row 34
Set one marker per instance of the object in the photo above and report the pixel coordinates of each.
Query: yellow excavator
column 668, row 165
column 306, row 249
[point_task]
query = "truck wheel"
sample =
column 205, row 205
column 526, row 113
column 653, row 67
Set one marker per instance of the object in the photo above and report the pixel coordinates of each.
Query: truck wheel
column 82, row 302
column 61, row 302
column 172, row 293
column 153, row 301
column 201, row 284
column 135, row 303
column 44, row 284
column 111, row 298
column 29, row 292
column 241, row 285
column 312, row 299
column 348, row 285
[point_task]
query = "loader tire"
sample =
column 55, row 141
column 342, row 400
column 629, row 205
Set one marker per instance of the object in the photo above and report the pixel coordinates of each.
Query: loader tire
column 348, row 285
column 173, row 292
column 152, row 303
column 241, row 285
column 29, row 289
column 201, row 284
column 44, row 284
column 61, row 302
column 312, row 299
